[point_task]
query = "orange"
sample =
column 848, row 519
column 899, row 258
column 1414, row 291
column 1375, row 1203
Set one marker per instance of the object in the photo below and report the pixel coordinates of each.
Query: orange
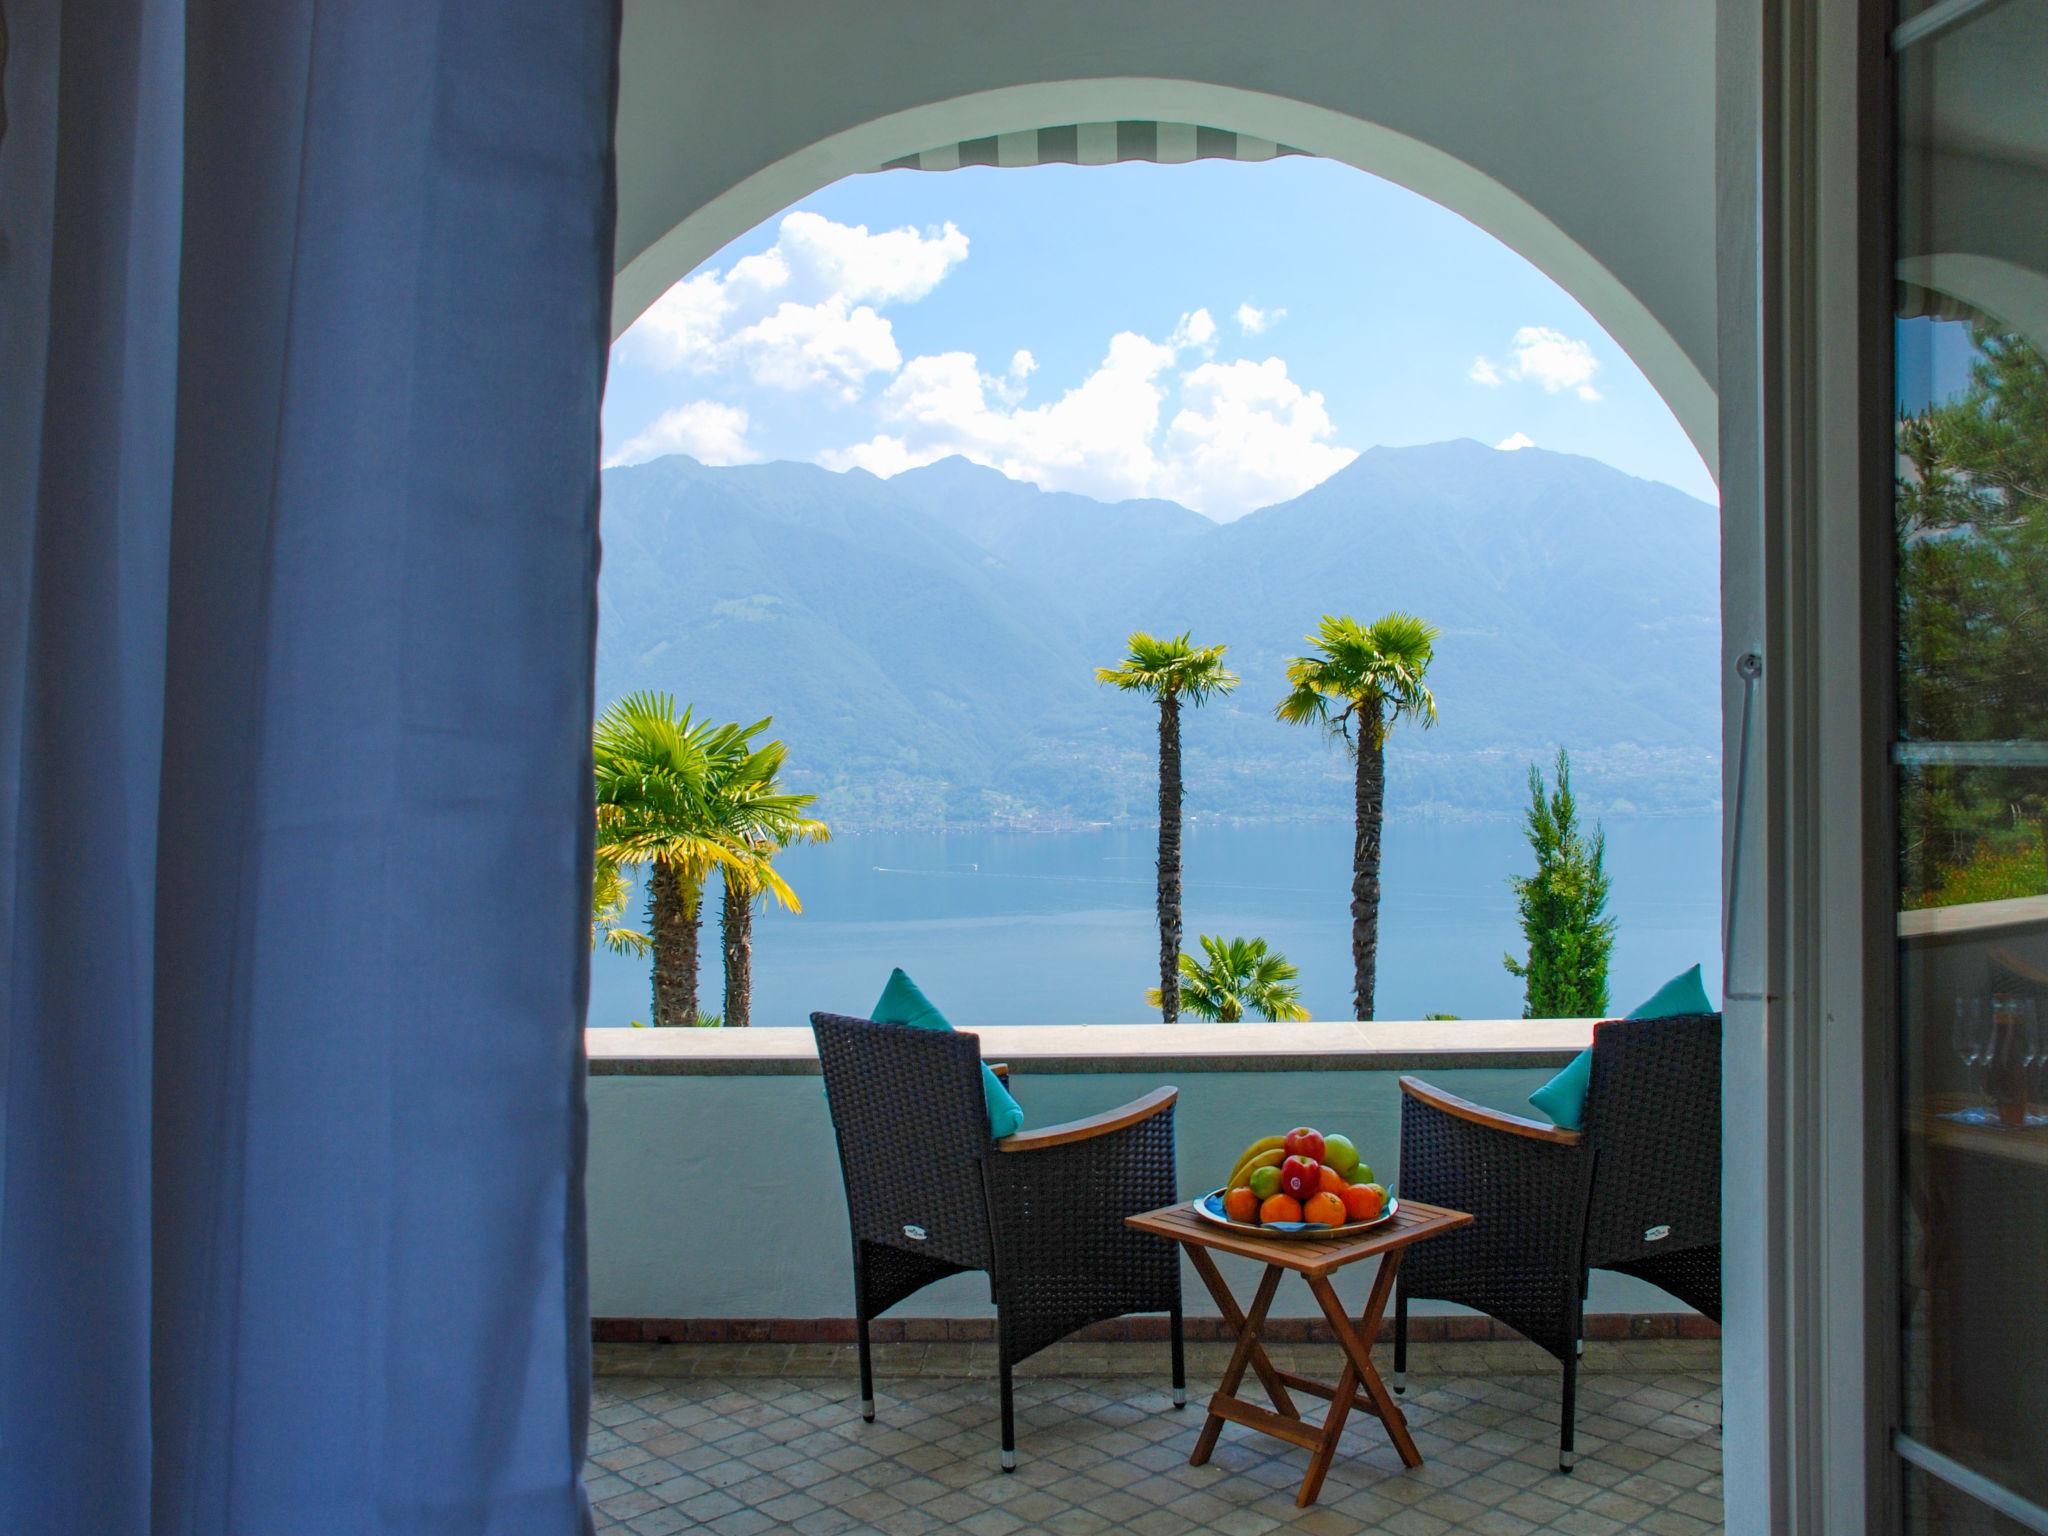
column 1241, row 1205
column 1362, row 1202
column 1330, row 1181
column 1324, row 1207
column 1281, row 1208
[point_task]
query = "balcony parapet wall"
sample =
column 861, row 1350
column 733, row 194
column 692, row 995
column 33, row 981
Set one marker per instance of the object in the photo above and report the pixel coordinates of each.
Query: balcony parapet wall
column 713, row 1179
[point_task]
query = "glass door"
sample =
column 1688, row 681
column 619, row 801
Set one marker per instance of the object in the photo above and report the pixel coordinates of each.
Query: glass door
column 1970, row 509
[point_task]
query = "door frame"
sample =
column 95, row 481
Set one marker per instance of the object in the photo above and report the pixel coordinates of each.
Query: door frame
column 1804, row 185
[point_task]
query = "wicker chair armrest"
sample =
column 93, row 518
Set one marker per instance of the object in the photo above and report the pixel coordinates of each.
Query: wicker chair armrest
column 1109, row 1121
column 1492, row 1119
column 1526, row 1186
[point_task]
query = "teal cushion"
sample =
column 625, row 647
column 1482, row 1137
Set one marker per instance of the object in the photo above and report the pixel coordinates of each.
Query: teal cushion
column 1563, row 1098
column 902, row 1003
column 1681, row 995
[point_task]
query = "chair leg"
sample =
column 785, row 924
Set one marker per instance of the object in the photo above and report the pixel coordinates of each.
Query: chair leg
column 1401, row 1341
column 1567, row 1458
column 860, row 1326
column 1009, row 1418
column 867, row 1375
column 1180, row 1358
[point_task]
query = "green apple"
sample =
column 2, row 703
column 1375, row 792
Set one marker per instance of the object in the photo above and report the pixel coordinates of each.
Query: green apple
column 1265, row 1182
column 1341, row 1155
column 1362, row 1174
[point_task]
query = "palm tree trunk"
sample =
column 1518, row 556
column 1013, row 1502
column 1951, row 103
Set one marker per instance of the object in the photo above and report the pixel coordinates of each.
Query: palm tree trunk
column 1369, row 811
column 675, row 949
column 1169, row 858
column 736, row 934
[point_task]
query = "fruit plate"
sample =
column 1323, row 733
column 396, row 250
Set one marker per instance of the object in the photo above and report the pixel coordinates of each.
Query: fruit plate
column 1210, row 1208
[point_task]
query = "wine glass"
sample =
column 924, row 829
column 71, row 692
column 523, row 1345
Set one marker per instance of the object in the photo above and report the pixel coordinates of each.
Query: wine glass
column 2033, row 1049
column 1972, row 1039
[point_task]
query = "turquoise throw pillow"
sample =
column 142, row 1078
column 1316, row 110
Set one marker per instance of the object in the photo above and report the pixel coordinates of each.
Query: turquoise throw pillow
column 902, row 1003
column 1681, row 995
column 1563, row 1098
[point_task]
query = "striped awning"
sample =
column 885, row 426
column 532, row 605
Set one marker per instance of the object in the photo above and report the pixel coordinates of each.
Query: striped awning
column 1096, row 144
column 1913, row 302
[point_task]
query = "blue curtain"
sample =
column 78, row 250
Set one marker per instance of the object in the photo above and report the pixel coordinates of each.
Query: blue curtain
column 303, row 323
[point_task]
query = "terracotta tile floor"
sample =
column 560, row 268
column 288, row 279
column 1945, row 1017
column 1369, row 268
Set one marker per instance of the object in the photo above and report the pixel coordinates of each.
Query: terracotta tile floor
column 740, row 1439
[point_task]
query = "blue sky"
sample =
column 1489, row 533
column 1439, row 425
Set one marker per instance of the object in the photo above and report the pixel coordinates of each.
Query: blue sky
column 1222, row 334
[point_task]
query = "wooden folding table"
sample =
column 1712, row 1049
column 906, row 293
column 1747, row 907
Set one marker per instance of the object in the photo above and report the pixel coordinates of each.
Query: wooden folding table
column 1315, row 1260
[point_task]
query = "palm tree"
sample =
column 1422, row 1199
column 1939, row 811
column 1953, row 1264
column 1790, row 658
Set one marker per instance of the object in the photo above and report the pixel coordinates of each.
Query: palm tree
column 609, row 893
column 751, row 804
column 1362, row 679
column 1239, row 974
column 656, row 779
column 1169, row 670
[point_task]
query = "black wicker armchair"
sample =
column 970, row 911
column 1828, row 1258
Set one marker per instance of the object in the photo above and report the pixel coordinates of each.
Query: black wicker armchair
column 1636, row 1189
column 929, row 1194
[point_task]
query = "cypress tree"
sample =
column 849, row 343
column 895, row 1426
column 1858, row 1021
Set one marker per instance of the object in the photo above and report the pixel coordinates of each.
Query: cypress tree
column 1564, row 907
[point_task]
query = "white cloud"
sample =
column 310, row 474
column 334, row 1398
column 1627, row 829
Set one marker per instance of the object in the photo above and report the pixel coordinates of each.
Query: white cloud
column 1546, row 357
column 707, row 430
column 683, row 327
column 804, row 346
column 898, row 266
column 1245, row 434
column 805, row 312
column 1515, row 440
column 1254, row 321
column 1195, row 330
column 1097, row 437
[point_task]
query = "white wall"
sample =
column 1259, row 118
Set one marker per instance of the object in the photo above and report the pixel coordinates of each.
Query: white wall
column 681, row 1168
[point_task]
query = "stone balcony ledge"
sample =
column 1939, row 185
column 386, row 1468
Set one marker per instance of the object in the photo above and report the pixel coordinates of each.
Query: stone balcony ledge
column 1406, row 1045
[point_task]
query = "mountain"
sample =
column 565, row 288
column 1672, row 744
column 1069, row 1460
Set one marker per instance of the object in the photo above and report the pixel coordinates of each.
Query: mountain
column 926, row 644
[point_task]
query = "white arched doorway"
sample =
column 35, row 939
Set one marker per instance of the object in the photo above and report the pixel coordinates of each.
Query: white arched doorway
column 644, row 275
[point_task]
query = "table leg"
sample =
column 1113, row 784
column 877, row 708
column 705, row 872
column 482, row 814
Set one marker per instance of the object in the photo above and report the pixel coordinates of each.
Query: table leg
column 1247, row 1351
column 1234, row 1320
column 1356, row 1342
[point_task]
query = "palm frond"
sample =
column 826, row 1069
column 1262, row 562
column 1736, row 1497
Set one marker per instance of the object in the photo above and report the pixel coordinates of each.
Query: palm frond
column 1375, row 670
column 1234, row 976
column 610, row 892
column 698, row 797
column 1170, row 667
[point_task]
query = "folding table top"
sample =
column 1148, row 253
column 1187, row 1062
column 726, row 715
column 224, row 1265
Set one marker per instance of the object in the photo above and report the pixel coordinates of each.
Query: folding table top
column 1412, row 1222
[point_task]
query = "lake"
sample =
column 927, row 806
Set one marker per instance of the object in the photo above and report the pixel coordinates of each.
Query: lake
column 1058, row 928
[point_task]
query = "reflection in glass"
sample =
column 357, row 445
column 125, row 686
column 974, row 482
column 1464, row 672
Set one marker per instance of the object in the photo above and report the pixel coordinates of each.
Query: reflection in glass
column 1936, row 1509
column 1970, row 514
column 1972, row 510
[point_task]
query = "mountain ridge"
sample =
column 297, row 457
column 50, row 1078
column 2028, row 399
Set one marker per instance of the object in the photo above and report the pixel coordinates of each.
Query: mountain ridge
column 926, row 643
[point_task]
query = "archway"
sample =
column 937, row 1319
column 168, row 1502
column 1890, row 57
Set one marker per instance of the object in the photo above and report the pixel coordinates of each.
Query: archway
column 644, row 274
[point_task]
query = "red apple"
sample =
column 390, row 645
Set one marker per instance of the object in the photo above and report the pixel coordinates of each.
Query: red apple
column 1303, row 1142
column 1301, row 1177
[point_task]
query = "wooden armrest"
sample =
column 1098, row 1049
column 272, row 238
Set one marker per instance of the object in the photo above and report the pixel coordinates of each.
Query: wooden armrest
column 1000, row 1068
column 1492, row 1119
column 1095, row 1125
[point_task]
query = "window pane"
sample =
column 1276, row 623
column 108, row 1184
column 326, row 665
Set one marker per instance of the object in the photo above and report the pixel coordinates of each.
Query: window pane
column 1936, row 1508
column 1971, row 511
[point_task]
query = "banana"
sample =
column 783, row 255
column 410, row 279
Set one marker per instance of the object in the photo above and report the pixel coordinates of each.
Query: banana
column 1242, row 1166
column 1272, row 1157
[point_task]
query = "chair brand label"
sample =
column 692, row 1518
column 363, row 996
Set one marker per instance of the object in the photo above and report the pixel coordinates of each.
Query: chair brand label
column 917, row 1234
column 1656, row 1234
